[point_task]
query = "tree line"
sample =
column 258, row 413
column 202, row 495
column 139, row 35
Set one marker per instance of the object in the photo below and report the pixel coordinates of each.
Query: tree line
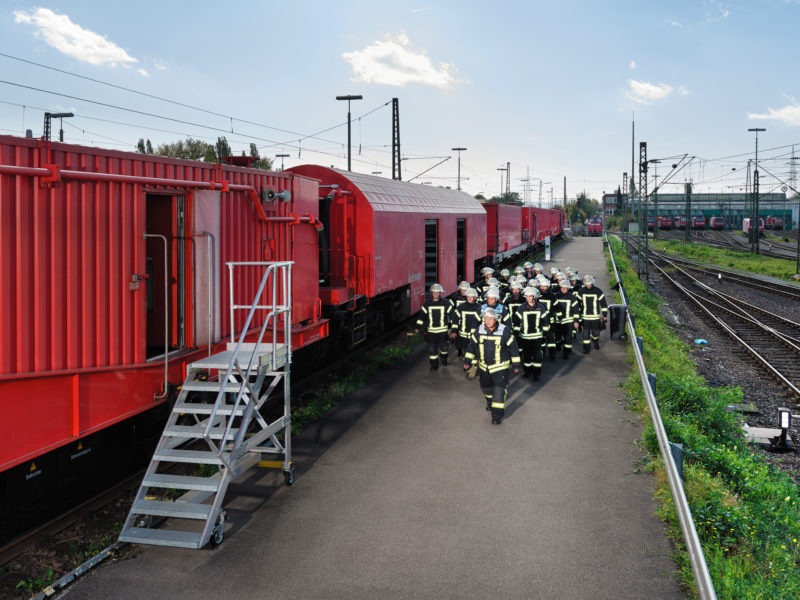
column 192, row 149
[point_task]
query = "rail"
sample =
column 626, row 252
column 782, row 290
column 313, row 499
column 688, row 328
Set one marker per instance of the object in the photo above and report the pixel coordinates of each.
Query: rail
column 705, row 587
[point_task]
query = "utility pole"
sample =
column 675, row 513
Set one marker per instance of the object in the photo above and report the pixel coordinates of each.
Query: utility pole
column 281, row 156
column 349, row 98
column 623, row 205
column 396, row 139
column 643, row 266
column 655, row 161
column 47, row 117
column 754, row 227
column 459, row 150
column 687, row 188
column 508, row 181
column 501, row 179
column 565, row 195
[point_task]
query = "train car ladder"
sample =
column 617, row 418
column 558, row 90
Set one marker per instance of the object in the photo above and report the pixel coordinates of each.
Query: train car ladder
column 215, row 431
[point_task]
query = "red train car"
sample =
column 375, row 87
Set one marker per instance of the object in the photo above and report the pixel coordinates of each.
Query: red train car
column 773, row 222
column 746, row 225
column 503, row 232
column 88, row 238
column 594, row 226
column 680, row 222
column 391, row 239
column 546, row 222
column 699, row 222
column 717, row 222
column 665, row 223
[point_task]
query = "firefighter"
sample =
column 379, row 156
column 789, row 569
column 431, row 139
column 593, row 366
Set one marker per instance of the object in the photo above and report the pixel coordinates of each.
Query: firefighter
column 538, row 269
column 494, row 351
column 460, row 297
column 553, row 281
column 548, row 299
column 567, row 317
column 434, row 320
column 465, row 319
column 504, row 280
column 594, row 312
column 576, row 282
column 493, row 301
column 528, row 266
column 482, row 286
column 512, row 302
column 532, row 324
column 519, row 271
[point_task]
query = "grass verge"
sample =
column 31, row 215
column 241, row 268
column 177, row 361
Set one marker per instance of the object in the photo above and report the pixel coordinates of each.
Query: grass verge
column 781, row 268
column 747, row 513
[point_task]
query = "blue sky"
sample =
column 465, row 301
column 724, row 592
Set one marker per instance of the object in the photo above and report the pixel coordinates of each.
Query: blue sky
column 547, row 86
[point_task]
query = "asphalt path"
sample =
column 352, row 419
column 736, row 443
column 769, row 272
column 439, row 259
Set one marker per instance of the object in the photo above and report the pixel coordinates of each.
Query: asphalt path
column 406, row 490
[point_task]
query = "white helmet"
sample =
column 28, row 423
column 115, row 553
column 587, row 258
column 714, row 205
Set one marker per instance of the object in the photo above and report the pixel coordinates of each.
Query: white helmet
column 564, row 283
column 538, row 267
column 573, row 276
column 487, row 271
column 532, row 291
column 553, row 270
column 471, row 293
column 532, row 282
column 436, row 288
column 519, row 270
column 588, row 279
column 489, row 313
column 505, row 273
column 492, row 292
column 463, row 286
column 560, row 276
column 515, row 285
column 569, row 270
column 527, row 265
column 493, row 282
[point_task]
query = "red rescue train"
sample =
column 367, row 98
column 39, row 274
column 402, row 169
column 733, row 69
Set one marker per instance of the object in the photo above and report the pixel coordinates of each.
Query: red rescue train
column 115, row 277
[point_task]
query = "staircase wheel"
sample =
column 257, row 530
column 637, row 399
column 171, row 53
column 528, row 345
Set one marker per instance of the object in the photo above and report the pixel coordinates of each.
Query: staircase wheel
column 288, row 477
column 218, row 533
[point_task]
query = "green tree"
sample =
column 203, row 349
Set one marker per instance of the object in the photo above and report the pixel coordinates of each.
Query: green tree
column 140, row 146
column 222, row 148
column 190, row 149
column 261, row 163
column 149, row 146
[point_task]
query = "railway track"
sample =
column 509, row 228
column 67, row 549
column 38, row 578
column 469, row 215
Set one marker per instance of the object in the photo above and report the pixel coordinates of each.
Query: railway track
column 730, row 241
column 773, row 341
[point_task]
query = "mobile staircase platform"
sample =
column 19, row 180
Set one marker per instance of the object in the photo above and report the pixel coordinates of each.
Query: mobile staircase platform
column 215, row 431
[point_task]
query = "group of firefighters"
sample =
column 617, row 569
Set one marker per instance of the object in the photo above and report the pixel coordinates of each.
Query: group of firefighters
column 526, row 311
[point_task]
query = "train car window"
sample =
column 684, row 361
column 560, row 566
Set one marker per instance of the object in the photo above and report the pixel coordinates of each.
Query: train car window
column 431, row 252
column 461, row 250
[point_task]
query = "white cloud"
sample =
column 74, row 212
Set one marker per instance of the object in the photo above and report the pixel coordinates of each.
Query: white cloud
column 716, row 12
column 633, row 65
column 395, row 61
column 674, row 23
column 416, row 10
column 160, row 65
column 788, row 115
column 73, row 40
column 683, row 91
column 645, row 93
column 143, row 72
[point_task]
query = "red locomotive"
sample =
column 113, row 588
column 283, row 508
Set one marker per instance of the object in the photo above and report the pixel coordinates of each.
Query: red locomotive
column 114, row 277
column 746, row 225
column 665, row 223
column 717, row 223
column 594, row 226
column 773, row 222
column 699, row 222
column 680, row 222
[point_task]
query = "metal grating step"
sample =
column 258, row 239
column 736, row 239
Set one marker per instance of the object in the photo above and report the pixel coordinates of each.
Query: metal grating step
column 196, row 432
column 202, row 457
column 196, row 408
column 181, row 510
column 212, row 386
column 162, row 537
column 182, row 482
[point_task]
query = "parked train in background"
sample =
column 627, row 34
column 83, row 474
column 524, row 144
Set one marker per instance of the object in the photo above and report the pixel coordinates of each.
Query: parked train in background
column 699, row 222
column 594, row 226
column 665, row 222
column 680, row 222
column 773, row 222
column 116, row 277
column 747, row 225
column 717, row 222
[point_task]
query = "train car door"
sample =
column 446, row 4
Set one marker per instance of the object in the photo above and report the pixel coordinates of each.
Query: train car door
column 431, row 252
column 461, row 250
column 166, row 308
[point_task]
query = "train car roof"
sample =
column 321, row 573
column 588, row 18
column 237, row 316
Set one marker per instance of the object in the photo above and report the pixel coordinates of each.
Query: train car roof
column 389, row 195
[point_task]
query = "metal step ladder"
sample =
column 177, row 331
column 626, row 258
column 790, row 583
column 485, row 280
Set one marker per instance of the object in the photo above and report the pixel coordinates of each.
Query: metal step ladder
column 215, row 431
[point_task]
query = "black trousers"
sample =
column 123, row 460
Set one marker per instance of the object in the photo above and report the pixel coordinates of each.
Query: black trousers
column 591, row 332
column 461, row 344
column 532, row 354
column 565, row 334
column 437, row 346
column 494, row 387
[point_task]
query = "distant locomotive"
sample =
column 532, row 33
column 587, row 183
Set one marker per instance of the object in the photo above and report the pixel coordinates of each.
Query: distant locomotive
column 773, row 222
column 747, row 226
column 717, row 223
column 699, row 222
column 665, row 223
column 594, row 226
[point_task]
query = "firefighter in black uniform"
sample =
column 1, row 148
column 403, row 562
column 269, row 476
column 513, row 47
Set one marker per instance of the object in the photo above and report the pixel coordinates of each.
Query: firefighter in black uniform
column 529, row 271
column 512, row 302
column 547, row 298
column 464, row 320
column 594, row 312
column 532, row 324
column 494, row 351
column 504, row 282
column 460, row 296
column 576, row 283
column 434, row 320
column 483, row 285
column 567, row 317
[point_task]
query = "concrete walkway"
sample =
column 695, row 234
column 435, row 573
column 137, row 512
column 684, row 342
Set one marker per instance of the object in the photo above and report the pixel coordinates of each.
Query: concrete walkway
column 407, row 491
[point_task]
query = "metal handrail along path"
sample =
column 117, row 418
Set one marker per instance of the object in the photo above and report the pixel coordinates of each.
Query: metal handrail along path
column 705, row 587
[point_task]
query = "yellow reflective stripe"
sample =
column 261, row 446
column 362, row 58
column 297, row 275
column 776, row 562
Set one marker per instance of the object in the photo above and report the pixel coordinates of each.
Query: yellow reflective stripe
column 498, row 405
column 499, row 367
column 515, row 359
column 469, row 356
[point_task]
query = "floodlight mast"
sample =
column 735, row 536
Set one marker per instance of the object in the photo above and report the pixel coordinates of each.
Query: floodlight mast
column 349, row 97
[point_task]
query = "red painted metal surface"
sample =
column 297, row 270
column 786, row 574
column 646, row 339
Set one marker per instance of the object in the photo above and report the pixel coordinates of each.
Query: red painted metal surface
column 378, row 232
column 76, row 326
column 503, row 227
column 548, row 222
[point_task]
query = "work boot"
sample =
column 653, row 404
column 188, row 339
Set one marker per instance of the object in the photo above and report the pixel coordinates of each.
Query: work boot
column 434, row 365
column 526, row 372
column 497, row 420
column 596, row 344
column 444, row 360
column 587, row 348
column 552, row 354
column 537, row 372
column 567, row 352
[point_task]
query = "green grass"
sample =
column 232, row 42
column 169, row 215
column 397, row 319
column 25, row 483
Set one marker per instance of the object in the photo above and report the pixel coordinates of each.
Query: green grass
column 747, row 513
column 781, row 268
column 356, row 376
